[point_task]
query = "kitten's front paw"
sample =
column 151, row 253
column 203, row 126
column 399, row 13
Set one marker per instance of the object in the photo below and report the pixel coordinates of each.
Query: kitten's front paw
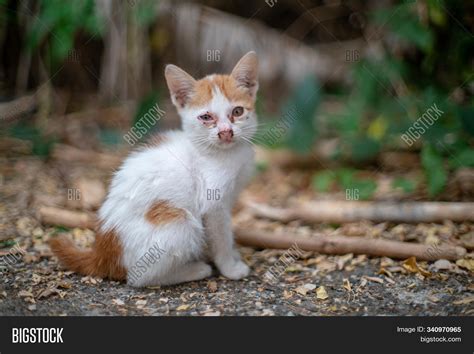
column 235, row 270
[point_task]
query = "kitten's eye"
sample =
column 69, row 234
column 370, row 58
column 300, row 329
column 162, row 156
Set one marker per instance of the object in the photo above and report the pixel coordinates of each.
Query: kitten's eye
column 205, row 117
column 237, row 111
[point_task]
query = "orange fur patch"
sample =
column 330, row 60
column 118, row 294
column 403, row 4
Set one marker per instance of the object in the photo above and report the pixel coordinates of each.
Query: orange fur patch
column 109, row 256
column 162, row 212
column 103, row 260
column 227, row 85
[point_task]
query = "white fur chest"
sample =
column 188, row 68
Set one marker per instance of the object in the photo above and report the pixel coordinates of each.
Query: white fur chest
column 219, row 176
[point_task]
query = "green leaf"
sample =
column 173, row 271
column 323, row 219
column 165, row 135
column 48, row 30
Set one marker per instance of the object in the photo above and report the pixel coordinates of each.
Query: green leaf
column 299, row 114
column 464, row 158
column 323, row 180
column 405, row 184
column 466, row 115
column 365, row 187
column 405, row 24
column 146, row 105
column 364, row 148
column 345, row 177
column 361, row 188
column 7, row 243
column 145, row 12
column 434, row 169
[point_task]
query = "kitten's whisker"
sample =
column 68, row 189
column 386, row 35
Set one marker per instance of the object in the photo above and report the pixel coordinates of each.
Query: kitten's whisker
column 247, row 140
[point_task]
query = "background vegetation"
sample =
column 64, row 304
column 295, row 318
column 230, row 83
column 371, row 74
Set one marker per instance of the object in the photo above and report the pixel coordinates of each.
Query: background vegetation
column 423, row 56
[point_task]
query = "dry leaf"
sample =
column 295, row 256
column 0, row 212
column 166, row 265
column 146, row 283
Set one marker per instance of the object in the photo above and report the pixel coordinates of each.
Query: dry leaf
column 362, row 258
column 118, row 302
column 464, row 301
column 304, row 289
column 182, row 307
column 212, row 286
column 321, row 293
column 140, row 303
column 411, row 265
column 386, row 262
column 24, row 293
column 326, row 266
column 432, row 240
column 268, row 312
column 154, row 287
column 363, row 283
column 375, row 279
column 467, row 240
column 386, row 272
column 346, row 284
column 36, row 279
column 442, row 264
column 32, row 307
column 342, row 260
column 466, row 263
column 48, row 292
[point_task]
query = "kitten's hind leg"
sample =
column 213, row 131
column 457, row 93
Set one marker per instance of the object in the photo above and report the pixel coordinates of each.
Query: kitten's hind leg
column 188, row 272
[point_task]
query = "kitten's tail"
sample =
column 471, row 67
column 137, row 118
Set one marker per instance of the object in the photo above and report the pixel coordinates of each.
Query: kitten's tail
column 102, row 260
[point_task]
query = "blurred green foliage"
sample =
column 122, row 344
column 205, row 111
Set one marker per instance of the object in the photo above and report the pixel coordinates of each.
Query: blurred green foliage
column 405, row 184
column 427, row 61
column 346, row 179
column 58, row 22
column 41, row 144
column 432, row 59
column 295, row 127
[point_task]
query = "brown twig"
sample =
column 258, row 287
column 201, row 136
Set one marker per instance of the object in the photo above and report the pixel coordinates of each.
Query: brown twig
column 68, row 218
column 265, row 239
column 71, row 154
column 345, row 244
column 348, row 211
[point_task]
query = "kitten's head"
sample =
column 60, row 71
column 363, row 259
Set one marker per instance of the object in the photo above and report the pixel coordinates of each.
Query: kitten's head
column 218, row 110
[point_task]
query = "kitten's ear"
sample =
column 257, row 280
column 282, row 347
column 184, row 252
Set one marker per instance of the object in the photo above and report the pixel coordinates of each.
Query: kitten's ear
column 246, row 72
column 180, row 84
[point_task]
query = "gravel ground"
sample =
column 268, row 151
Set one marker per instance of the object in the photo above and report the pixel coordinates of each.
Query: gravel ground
column 32, row 283
column 43, row 289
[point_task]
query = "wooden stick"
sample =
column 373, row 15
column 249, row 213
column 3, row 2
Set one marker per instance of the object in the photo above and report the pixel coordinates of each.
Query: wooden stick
column 265, row 239
column 348, row 211
column 345, row 244
column 14, row 109
column 72, row 154
column 68, row 218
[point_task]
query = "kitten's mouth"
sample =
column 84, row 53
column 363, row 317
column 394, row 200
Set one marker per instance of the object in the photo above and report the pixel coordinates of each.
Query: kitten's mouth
column 226, row 143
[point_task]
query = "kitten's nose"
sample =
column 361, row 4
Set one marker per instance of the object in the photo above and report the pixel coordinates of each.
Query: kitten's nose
column 226, row 135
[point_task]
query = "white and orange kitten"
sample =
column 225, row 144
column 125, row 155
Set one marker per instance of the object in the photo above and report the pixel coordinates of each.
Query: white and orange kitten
column 168, row 209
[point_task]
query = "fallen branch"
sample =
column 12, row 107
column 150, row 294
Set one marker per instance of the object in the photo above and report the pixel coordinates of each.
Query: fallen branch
column 71, row 154
column 265, row 239
column 18, row 107
column 68, row 218
column 345, row 244
column 344, row 211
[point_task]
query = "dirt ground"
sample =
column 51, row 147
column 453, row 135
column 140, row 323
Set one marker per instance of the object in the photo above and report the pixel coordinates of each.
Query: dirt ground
column 32, row 283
